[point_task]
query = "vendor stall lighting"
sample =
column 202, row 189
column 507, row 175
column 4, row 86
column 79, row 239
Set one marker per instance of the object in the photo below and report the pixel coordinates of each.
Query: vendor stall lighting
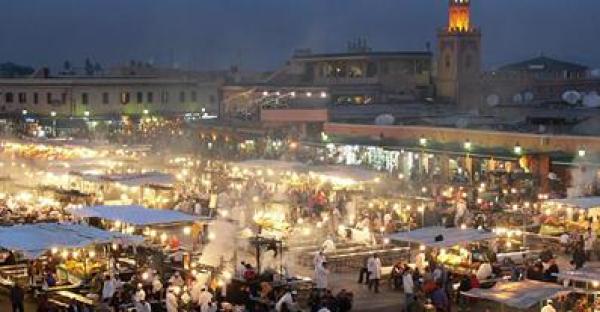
column 423, row 141
column 581, row 152
column 212, row 236
column 53, row 113
column 146, row 112
column 163, row 237
column 24, row 112
column 54, row 250
column 92, row 254
column 308, row 94
column 265, row 93
column 187, row 230
column 293, row 94
column 86, row 114
column 386, row 241
column 65, row 254
column 518, row 149
column 422, row 247
column 463, row 226
column 323, row 94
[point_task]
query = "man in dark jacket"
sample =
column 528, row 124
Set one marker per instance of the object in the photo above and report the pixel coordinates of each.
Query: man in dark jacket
column 17, row 296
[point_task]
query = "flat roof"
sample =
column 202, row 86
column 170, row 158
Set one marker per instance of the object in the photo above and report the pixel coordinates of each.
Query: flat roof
column 358, row 55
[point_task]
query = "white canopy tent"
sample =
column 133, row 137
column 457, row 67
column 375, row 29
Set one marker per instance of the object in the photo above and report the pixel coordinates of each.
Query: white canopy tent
column 132, row 180
column 577, row 202
column 451, row 236
column 586, row 274
column 518, row 295
column 33, row 240
column 279, row 165
column 134, row 215
column 345, row 174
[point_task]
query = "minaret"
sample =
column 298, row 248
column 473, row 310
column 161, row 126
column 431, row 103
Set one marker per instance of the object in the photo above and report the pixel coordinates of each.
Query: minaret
column 459, row 57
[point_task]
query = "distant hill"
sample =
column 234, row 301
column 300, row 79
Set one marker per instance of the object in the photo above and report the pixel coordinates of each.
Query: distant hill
column 12, row 70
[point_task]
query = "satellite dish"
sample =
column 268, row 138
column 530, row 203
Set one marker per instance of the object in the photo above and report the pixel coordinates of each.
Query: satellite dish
column 591, row 100
column 571, row 97
column 528, row 97
column 492, row 100
column 385, row 120
column 462, row 123
column 518, row 98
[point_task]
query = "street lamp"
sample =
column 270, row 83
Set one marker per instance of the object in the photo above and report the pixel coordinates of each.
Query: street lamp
column 581, row 152
column 146, row 112
column 467, row 145
column 423, row 141
column 24, row 112
column 53, row 114
column 518, row 149
column 86, row 113
column 421, row 209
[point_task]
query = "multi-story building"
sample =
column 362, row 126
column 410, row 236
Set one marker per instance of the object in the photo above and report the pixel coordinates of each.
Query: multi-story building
column 537, row 81
column 107, row 96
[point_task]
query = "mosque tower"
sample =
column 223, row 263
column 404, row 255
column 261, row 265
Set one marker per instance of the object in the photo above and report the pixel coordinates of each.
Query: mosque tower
column 459, row 57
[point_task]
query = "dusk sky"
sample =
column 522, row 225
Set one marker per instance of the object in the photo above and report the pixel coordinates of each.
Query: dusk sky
column 262, row 34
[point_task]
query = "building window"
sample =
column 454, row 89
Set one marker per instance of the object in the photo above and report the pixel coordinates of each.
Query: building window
column 22, row 97
column 139, row 97
column 124, row 98
column 36, row 98
column 9, row 97
column 181, row 96
column 164, row 97
column 447, row 61
column 63, row 98
column 211, row 99
column 49, row 98
column 194, row 96
column 84, row 99
column 468, row 61
column 149, row 97
column 105, row 98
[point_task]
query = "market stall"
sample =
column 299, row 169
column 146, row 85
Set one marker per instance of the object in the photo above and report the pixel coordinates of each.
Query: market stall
column 73, row 243
column 584, row 284
column 458, row 248
column 570, row 214
column 518, row 295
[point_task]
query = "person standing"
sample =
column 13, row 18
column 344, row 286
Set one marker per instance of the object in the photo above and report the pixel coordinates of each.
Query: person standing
column 364, row 271
column 321, row 276
column 374, row 267
column 172, row 304
column 548, row 307
column 17, row 296
column 409, row 288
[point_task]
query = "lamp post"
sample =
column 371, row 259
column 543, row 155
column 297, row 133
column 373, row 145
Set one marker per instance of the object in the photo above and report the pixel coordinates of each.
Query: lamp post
column 53, row 115
column 421, row 209
column 518, row 150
